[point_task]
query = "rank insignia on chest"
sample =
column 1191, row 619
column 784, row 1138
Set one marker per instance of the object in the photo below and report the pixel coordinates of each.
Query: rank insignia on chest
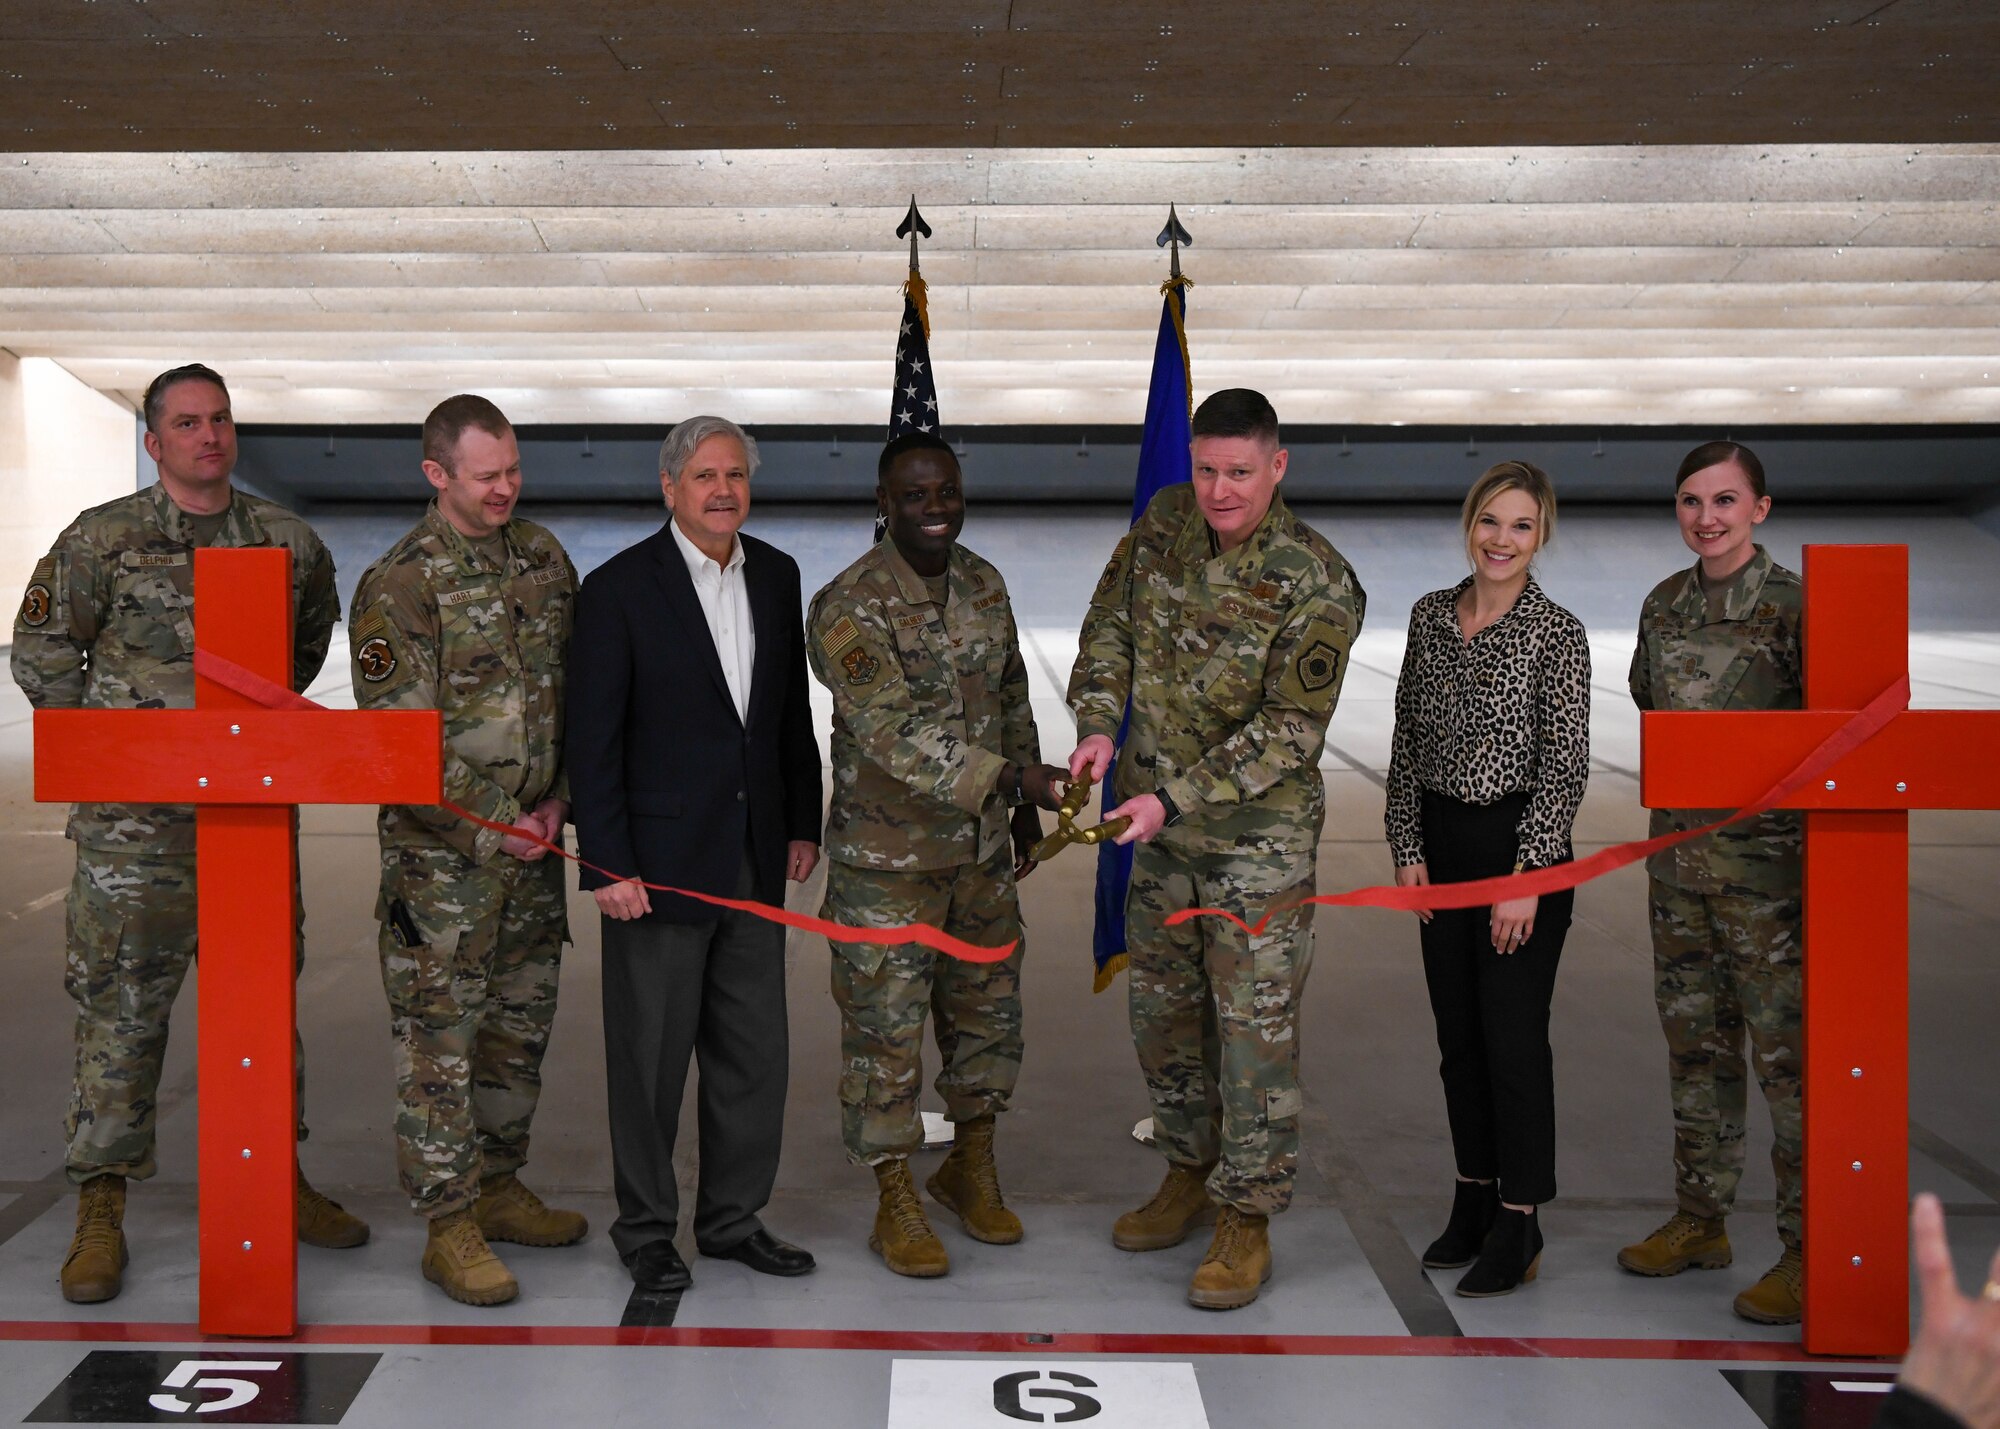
column 861, row 667
column 1319, row 664
column 35, row 605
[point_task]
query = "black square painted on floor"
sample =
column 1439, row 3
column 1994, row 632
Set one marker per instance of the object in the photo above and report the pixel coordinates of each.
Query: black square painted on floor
column 1813, row 1398
column 236, row 1386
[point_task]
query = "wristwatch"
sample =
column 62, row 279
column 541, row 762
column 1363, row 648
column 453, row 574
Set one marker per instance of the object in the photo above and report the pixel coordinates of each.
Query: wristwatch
column 1167, row 803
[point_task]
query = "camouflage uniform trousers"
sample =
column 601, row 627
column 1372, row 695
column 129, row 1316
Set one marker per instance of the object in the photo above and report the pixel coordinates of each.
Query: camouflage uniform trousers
column 1724, row 965
column 1215, row 1016
column 471, row 1009
column 882, row 994
column 132, row 933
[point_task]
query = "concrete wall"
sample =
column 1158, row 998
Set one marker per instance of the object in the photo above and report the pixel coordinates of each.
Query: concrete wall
column 63, row 447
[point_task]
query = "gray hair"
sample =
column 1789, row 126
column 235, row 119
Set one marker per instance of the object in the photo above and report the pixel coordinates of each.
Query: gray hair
column 678, row 448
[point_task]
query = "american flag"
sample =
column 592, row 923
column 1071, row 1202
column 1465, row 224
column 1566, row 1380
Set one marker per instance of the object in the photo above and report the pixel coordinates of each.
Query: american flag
column 913, row 405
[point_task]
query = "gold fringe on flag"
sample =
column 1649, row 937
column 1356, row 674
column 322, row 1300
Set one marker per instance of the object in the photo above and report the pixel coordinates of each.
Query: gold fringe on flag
column 920, row 295
column 1108, row 974
column 1180, row 332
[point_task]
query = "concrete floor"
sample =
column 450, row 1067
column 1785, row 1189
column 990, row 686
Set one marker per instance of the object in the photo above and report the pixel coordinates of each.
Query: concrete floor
column 1367, row 1337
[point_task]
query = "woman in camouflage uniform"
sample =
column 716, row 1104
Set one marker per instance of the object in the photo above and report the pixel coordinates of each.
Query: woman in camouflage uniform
column 1726, row 908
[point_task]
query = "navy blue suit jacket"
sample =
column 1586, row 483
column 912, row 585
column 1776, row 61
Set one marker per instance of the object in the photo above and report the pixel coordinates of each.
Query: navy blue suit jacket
column 666, row 781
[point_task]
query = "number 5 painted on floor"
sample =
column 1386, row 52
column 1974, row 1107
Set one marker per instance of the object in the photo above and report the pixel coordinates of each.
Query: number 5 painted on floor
column 184, row 1376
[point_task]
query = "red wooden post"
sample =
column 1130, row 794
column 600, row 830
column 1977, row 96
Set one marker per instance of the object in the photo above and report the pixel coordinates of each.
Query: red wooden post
column 249, row 1226
column 246, row 769
column 1857, row 934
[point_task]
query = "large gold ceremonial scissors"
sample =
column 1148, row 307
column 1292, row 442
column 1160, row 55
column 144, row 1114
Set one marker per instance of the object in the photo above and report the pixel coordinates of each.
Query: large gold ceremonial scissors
column 1066, row 831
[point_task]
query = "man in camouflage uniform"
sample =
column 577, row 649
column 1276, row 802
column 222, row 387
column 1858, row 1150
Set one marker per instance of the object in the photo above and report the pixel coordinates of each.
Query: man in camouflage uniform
column 933, row 741
column 1226, row 620
column 470, row 614
column 108, row 623
column 1726, row 920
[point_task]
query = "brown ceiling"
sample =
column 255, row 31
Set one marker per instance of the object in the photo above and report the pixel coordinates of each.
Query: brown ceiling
column 258, row 75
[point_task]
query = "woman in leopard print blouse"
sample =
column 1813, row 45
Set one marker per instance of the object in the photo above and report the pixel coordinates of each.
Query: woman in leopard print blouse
column 1491, row 751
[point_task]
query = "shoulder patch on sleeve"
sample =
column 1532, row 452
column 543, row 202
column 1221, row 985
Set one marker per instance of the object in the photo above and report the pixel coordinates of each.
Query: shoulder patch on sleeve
column 1112, row 582
column 376, row 658
column 43, row 600
column 1317, row 664
column 863, row 669
column 838, row 636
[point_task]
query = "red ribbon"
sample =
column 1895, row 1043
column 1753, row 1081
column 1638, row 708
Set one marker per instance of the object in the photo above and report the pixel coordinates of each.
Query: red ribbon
column 1477, row 893
column 272, row 695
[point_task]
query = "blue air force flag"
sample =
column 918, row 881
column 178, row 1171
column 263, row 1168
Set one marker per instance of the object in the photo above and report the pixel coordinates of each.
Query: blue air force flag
column 1163, row 460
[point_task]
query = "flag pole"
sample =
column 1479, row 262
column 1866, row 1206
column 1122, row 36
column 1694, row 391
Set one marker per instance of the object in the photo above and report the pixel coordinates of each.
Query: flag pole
column 1163, row 461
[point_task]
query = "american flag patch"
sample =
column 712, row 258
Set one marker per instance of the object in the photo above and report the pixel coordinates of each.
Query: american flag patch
column 839, row 636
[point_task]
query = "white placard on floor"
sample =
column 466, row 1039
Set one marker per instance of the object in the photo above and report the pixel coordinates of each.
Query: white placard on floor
column 1004, row 1392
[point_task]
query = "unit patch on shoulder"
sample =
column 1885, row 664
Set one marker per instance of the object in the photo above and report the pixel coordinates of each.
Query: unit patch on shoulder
column 861, row 667
column 838, row 636
column 36, row 605
column 1318, row 661
column 1114, row 570
column 374, row 656
column 376, row 659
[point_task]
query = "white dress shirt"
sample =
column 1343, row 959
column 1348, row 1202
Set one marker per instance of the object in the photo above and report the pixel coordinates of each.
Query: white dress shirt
column 725, row 602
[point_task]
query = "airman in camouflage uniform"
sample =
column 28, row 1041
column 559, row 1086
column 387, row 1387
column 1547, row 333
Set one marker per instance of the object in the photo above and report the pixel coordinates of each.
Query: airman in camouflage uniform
column 1725, row 912
column 107, row 622
column 933, row 738
column 474, row 623
column 1232, row 656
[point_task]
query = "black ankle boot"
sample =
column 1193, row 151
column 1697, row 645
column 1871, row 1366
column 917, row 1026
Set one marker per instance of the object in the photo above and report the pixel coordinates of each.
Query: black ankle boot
column 1512, row 1254
column 1473, row 1206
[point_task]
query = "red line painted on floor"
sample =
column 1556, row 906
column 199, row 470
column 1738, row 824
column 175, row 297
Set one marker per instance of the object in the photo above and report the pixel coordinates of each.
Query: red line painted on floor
column 982, row 1342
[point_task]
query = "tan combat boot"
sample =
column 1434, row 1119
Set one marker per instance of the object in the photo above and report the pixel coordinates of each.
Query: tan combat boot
column 509, row 1211
column 458, row 1261
column 1177, row 1207
column 1779, row 1298
column 902, row 1236
column 1237, row 1264
column 968, row 1184
column 94, row 1268
column 325, row 1224
column 1682, row 1242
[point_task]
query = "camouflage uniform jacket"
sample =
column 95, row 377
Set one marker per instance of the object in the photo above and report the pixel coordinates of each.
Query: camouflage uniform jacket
column 108, row 623
column 436, row 625
column 1233, row 663
column 929, row 702
column 1735, row 650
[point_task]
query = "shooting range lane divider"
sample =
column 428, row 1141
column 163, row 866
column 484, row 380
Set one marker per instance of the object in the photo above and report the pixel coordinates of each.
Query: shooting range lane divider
column 1477, row 893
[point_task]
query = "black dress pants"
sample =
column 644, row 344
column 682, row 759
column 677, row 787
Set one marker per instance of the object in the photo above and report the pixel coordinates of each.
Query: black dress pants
column 713, row 992
column 1492, row 1008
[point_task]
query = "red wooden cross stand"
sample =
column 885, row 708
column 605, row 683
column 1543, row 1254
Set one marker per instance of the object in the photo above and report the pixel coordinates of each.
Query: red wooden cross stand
column 245, row 768
column 1857, row 914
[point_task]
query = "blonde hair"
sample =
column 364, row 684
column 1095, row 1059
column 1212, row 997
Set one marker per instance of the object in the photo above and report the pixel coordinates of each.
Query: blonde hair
column 1511, row 476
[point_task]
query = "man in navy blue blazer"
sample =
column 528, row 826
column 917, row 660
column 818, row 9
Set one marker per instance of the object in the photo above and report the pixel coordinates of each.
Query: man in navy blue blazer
column 692, row 763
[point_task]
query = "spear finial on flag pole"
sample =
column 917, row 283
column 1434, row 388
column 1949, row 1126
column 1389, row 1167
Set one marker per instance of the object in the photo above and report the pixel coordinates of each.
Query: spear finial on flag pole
column 912, row 225
column 1173, row 234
